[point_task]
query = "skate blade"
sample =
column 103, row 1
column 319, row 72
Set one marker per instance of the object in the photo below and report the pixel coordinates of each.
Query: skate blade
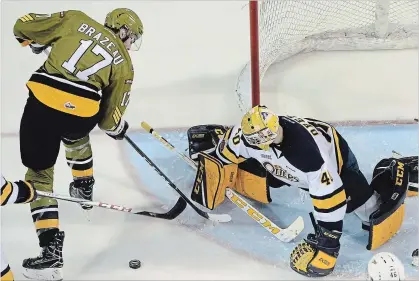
column 55, row 274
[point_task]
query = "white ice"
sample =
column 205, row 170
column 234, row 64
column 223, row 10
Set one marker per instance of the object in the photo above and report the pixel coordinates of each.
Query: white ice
column 185, row 75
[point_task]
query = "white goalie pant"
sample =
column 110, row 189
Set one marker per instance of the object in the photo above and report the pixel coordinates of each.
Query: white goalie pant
column 364, row 211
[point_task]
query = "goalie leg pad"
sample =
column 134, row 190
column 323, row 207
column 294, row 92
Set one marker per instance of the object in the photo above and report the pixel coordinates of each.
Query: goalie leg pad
column 253, row 184
column 211, row 181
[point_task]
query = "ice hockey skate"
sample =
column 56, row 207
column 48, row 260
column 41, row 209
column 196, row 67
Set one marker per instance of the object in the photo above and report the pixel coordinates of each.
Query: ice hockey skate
column 83, row 189
column 48, row 265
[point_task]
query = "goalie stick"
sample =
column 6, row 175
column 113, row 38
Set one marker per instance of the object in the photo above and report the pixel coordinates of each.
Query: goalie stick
column 176, row 210
column 283, row 234
column 212, row 217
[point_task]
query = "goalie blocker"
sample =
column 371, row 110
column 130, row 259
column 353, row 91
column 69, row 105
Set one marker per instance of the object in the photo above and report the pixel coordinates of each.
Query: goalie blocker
column 390, row 181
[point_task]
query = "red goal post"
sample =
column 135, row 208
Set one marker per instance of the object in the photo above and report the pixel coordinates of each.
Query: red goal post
column 280, row 29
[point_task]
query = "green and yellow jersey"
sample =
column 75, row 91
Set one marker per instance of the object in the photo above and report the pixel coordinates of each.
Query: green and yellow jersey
column 88, row 69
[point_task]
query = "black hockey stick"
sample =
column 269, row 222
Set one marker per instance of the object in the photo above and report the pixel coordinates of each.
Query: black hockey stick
column 212, row 217
column 170, row 215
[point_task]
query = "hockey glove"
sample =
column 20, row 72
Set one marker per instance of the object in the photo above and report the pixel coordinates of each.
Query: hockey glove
column 27, row 192
column 316, row 256
column 37, row 48
column 120, row 130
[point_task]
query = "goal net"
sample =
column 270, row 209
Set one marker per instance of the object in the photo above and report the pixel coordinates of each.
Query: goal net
column 281, row 29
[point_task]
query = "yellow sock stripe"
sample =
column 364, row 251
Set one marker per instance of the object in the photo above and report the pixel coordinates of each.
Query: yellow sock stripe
column 80, row 174
column 50, row 223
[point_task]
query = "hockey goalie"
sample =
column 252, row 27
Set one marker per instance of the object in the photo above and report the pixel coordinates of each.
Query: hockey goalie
column 270, row 151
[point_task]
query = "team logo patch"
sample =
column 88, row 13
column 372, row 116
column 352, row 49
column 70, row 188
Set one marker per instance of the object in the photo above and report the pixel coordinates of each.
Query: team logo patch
column 279, row 172
column 69, row 105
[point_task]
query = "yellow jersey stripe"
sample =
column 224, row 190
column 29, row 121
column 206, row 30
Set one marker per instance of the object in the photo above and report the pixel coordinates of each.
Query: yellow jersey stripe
column 6, row 192
column 331, row 202
column 338, row 151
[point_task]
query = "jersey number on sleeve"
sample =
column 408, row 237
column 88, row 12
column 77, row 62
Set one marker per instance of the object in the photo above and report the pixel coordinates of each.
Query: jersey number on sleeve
column 326, row 178
column 70, row 64
column 236, row 138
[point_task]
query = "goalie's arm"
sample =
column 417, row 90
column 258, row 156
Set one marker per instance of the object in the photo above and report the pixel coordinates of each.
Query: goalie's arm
column 328, row 197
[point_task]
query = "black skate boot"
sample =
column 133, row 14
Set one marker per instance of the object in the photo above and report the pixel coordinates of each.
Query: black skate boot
column 83, row 188
column 48, row 265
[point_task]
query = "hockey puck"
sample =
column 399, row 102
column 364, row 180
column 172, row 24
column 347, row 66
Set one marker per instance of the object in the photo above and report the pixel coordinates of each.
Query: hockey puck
column 134, row 264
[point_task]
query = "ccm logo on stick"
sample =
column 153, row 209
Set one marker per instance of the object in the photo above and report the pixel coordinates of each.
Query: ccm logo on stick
column 255, row 215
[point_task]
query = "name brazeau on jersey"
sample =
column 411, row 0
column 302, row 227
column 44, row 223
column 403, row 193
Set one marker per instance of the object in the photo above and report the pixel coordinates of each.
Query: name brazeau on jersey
column 102, row 40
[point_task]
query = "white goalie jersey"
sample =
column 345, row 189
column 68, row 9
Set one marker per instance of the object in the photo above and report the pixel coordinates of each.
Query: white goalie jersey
column 309, row 157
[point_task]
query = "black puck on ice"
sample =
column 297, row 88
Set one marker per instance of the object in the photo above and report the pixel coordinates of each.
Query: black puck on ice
column 135, row 264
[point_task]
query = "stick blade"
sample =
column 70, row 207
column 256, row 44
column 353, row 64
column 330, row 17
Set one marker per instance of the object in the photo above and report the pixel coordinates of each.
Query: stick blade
column 219, row 217
column 146, row 126
column 291, row 232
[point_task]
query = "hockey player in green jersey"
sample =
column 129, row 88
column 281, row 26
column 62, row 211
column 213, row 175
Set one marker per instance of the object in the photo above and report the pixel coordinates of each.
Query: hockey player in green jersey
column 86, row 81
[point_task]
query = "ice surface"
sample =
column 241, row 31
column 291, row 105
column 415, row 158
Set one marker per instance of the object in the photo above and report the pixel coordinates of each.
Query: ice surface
column 185, row 75
column 370, row 144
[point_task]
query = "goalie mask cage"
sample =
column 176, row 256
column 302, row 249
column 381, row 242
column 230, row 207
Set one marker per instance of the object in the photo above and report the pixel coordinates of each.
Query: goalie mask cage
column 280, row 29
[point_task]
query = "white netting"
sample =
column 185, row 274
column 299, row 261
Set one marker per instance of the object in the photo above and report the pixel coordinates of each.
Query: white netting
column 289, row 27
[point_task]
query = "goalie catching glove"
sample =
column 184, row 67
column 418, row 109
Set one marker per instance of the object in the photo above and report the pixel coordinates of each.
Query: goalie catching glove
column 316, row 256
column 204, row 138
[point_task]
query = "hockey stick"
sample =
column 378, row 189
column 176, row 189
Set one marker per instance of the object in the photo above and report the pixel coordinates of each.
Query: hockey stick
column 170, row 215
column 283, row 234
column 212, row 217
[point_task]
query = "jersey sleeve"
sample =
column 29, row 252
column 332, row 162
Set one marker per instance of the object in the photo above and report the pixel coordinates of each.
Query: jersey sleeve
column 40, row 29
column 328, row 197
column 115, row 99
column 16, row 192
column 230, row 149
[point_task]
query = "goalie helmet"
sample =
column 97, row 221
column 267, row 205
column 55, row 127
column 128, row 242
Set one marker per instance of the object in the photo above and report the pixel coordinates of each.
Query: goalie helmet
column 260, row 126
column 128, row 25
column 385, row 266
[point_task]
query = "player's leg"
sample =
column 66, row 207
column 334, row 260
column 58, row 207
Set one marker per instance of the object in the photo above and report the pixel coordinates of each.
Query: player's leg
column 80, row 159
column 79, row 155
column 39, row 145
